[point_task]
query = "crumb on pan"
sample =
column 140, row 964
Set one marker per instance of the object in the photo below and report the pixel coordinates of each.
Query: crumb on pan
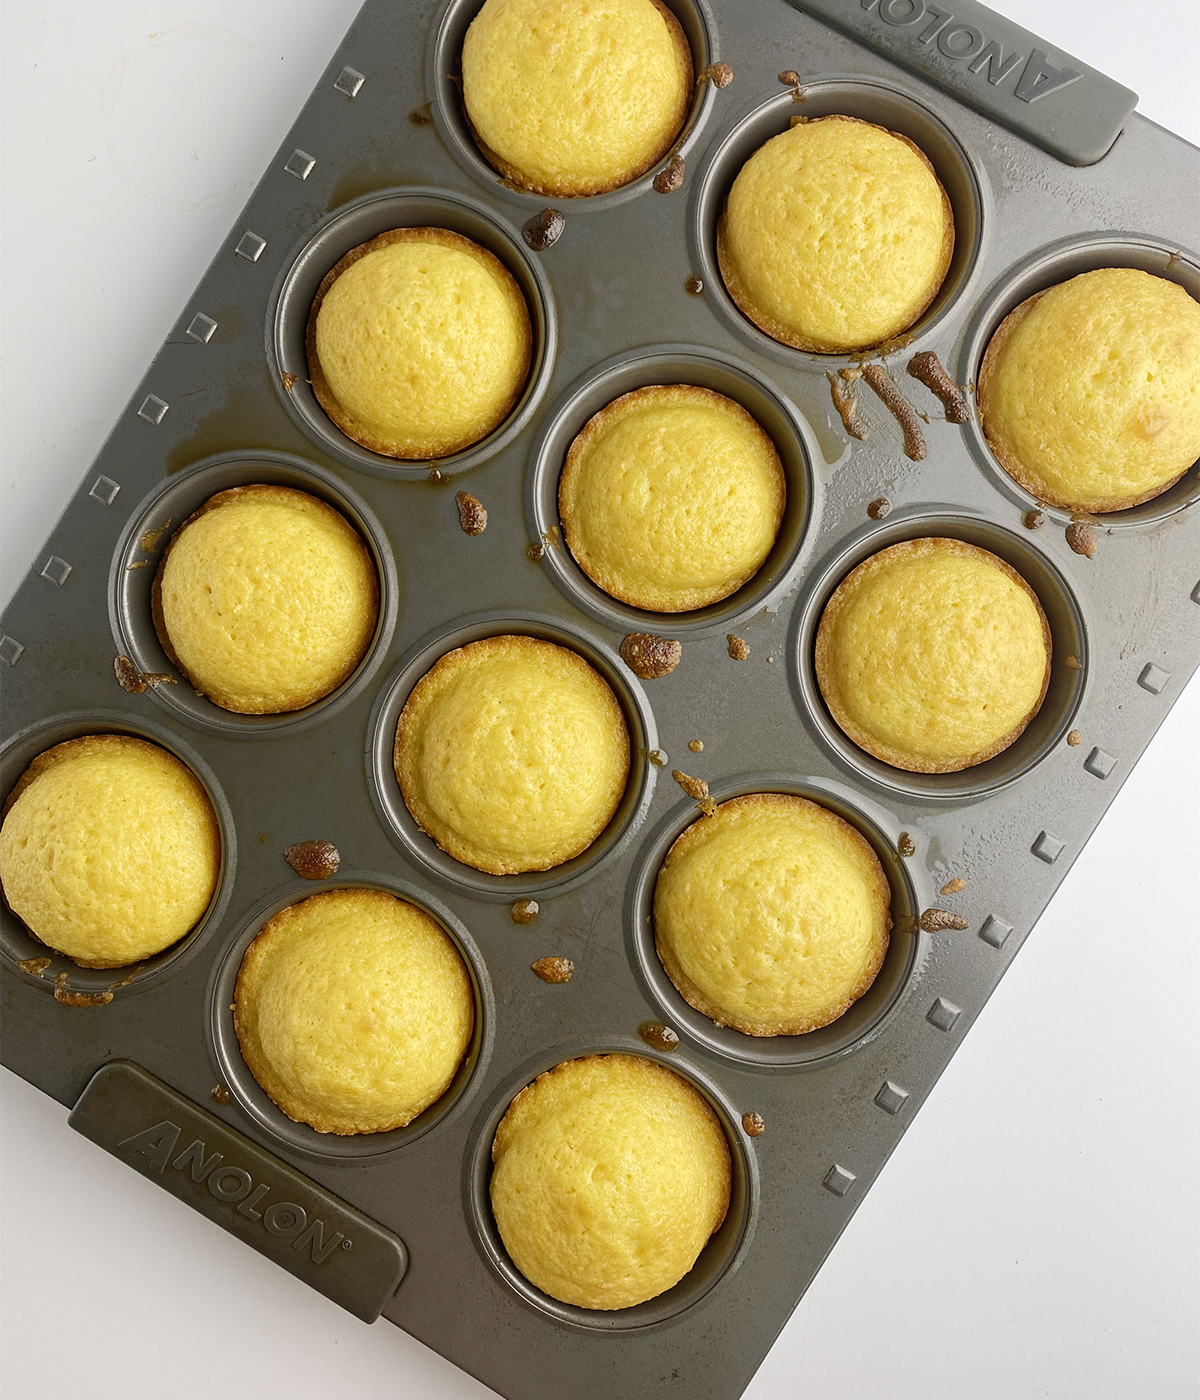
column 555, row 970
column 472, row 513
column 934, row 920
column 314, row 860
column 650, row 656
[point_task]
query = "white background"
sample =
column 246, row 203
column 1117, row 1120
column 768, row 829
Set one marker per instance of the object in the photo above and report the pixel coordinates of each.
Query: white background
column 1036, row 1232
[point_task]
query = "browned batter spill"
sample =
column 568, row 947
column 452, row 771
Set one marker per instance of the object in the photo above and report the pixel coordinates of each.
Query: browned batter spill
column 34, row 966
column 1074, row 738
column 69, row 998
column 472, row 513
column 130, row 679
column 553, row 969
column 435, row 474
column 658, row 758
column 524, row 911
column 1033, row 519
column 738, row 647
column 753, row 1124
column 846, row 405
column 694, row 285
column 422, row 115
column 1082, row 538
column 219, row 1093
column 900, row 409
column 696, row 745
column 670, row 177
column 905, row 845
column 137, row 564
column 534, row 552
column 719, row 74
column 1074, row 664
column 314, row 860
column 148, row 542
column 934, row 920
column 790, row 78
column 660, row 1036
column 694, row 787
column 290, row 381
column 932, row 373
column 954, row 886
column 544, row 229
column 879, row 507
column 649, row 656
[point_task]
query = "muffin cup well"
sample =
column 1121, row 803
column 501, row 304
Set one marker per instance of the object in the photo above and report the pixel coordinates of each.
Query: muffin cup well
column 1044, row 731
column 18, row 945
column 443, row 83
column 722, row 1254
column 234, row 1072
column 673, row 364
column 867, row 1016
column 356, row 223
column 149, row 532
column 413, row 842
column 1047, row 268
column 871, row 101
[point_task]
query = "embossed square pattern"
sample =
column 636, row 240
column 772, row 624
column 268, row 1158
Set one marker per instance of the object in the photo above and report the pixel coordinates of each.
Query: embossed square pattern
column 839, row 1180
column 943, row 1014
column 891, row 1097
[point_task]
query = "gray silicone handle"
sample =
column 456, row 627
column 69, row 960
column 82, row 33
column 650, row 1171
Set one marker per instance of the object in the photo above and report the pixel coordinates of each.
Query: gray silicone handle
column 993, row 65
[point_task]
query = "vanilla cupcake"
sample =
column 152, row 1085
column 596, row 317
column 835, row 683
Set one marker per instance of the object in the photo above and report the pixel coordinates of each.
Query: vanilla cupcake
column 110, row 849
column 771, row 915
column 575, row 97
column 933, row 655
column 610, row 1174
column 266, row 599
column 1089, row 393
column 836, row 236
column 419, row 343
column 671, row 497
column 512, row 753
column 353, row 1011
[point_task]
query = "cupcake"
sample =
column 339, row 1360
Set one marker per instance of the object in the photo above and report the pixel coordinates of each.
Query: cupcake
column 1089, row 393
column 933, row 655
column 419, row 343
column 836, row 236
column 575, row 97
column 353, row 1011
column 671, row 497
column 110, row 849
column 512, row 753
column 771, row 915
column 610, row 1173
column 266, row 599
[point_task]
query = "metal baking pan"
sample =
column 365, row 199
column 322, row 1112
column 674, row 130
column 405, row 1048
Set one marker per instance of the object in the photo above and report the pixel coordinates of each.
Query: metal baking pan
column 611, row 311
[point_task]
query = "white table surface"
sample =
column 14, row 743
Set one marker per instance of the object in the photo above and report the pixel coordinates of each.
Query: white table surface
column 1036, row 1232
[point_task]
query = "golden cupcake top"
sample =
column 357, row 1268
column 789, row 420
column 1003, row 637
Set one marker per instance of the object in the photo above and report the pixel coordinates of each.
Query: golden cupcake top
column 575, row 97
column 512, row 753
column 1089, row 393
column 671, row 497
column 266, row 599
column 353, row 1010
column 610, row 1173
column 110, row 849
column 836, row 235
column 771, row 915
column 419, row 343
column 933, row 655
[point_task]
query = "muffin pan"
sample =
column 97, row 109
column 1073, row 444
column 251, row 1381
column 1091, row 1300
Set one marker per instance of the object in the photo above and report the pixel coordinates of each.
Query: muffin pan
column 614, row 304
